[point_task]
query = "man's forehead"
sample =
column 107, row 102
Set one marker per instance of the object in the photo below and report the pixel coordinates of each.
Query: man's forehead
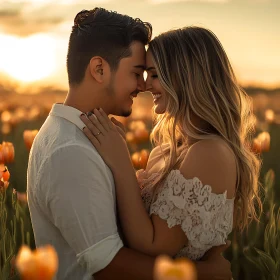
column 140, row 66
column 137, row 58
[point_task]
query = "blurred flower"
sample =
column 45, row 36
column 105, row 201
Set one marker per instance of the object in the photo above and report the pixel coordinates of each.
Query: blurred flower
column 6, row 116
column 4, row 172
column 143, row 158
column 28, row 136
column 40, row 264
column 21, row 197
column 7, row 152
column 34, row 113
column 261, row 143
column 19, row 115
column 4, row 177
column 138, row 134
column 140, row 159
column 168, row 269
column 269, row 115
column 130, row 137
column 6, row 128
column 141, row 135
column 135, row 159
column 134, row 125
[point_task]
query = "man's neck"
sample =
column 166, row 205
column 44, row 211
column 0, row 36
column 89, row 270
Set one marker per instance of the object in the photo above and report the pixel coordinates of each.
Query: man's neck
column 82, row 100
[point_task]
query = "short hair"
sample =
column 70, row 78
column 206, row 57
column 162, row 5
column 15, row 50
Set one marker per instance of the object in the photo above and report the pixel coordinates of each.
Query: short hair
column 104, row 33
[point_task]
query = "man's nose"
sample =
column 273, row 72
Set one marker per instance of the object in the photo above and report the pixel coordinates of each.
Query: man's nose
column 148, row 84
column 141, row 85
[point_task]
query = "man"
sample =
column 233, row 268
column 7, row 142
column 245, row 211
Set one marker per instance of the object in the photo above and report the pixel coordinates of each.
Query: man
column 71, row 193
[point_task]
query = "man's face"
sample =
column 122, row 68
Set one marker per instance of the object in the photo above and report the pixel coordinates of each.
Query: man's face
column 127, row 81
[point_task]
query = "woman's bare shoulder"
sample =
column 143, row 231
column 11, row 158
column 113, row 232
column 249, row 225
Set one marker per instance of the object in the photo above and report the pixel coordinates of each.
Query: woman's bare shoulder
column 214, row 163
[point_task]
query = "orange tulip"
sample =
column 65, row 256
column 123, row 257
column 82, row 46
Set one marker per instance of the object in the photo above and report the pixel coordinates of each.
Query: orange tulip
column 168, row 269
column 261, row 143
column 4, row 173
column 143, row 158
column 140, row 159
column 40, row 264
column 28, row 136
column 135, row 159
column 33, row 113
column 134, row 125
column 130, row 138
column 6, row 116
column 138, row 134
column 3, row 185
column 269, row 115
column 141, row 135
column 6, row 128
column 7, row 152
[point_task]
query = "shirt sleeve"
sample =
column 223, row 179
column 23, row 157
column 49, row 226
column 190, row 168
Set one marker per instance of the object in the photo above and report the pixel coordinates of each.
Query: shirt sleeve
column 205, row 217
column 80, row 200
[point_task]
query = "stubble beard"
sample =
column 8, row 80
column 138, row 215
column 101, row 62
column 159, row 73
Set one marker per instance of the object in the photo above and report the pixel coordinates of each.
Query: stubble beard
column 111, row 93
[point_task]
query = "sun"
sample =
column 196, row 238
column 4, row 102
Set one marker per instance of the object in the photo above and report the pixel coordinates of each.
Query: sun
column 28, row 59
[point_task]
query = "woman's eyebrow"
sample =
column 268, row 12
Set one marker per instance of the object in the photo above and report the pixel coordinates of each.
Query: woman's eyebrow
column 150, row 68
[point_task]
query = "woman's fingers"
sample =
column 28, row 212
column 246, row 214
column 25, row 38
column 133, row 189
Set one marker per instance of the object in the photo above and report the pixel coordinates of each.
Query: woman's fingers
column 96, row 123
column 102, row 118
column 119, row 124
column 93, row 125
column 105, row 116
column 122, row 133
column 93, row 139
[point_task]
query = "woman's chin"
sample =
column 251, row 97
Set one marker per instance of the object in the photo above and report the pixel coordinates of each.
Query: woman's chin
column 159, row 110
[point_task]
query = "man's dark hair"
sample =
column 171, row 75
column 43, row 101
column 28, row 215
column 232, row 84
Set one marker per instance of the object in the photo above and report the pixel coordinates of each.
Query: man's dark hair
column 104, row 33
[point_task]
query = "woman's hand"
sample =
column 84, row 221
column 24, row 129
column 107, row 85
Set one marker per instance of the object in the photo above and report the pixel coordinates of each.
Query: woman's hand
column 107, row 137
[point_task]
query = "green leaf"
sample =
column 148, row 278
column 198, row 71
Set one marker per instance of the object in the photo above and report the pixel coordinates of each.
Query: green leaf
column 255, row 260
column 267, row 261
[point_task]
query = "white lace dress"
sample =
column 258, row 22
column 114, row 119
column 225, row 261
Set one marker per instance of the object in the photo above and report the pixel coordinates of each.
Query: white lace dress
column 205, row 217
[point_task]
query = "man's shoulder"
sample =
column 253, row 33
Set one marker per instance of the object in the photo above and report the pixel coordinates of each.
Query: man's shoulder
column 75, row 151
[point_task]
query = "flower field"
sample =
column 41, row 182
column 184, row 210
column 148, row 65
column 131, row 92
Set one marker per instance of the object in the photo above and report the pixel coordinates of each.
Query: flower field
column 254, row 254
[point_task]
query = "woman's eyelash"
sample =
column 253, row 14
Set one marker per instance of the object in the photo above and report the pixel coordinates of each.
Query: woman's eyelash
column 154, row 76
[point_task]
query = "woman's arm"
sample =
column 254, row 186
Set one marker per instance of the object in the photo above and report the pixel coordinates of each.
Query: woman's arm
column 149, row 235
column 207, row 159
column 143, row 233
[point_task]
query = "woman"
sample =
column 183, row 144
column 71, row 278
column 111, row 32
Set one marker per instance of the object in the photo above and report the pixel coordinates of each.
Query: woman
column 201, row 177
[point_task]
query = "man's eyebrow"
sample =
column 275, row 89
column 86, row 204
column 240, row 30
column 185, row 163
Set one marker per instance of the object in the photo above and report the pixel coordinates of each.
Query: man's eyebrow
column 150, row 68
column 143, row 67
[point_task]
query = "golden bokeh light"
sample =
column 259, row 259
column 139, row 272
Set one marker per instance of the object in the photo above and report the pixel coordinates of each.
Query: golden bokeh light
column 28, row 59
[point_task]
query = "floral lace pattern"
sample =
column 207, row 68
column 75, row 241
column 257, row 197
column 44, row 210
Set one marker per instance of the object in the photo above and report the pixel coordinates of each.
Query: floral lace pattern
column 205, row 217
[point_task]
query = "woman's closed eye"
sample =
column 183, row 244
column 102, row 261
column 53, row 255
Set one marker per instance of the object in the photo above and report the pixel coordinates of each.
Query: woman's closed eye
column 154, row 76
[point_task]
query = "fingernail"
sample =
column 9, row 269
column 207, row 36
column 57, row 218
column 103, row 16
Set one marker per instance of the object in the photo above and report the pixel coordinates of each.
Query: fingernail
column 89, row 114
column 82, row 114
column 84, row 128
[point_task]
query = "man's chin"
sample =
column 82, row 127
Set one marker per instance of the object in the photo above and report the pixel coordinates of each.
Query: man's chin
column 126, row 113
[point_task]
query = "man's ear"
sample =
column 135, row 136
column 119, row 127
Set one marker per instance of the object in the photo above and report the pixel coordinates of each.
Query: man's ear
column 96, row 67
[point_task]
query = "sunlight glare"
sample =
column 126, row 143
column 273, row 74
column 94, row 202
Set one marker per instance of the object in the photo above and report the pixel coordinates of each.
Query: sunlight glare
column 27, row 59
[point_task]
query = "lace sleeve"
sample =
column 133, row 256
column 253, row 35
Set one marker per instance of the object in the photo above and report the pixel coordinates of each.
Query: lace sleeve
column 205, row 217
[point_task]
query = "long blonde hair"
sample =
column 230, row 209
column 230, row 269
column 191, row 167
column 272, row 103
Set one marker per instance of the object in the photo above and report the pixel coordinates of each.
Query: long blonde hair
column 197, row 76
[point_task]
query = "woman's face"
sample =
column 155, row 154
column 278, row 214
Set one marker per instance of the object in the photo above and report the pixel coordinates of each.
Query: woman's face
column 153, row 85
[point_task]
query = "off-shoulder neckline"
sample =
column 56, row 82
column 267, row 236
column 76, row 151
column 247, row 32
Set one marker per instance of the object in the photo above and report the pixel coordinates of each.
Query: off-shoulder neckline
column 181, row 176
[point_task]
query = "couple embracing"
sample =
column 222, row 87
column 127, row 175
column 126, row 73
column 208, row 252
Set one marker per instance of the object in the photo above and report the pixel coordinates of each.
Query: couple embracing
column 107, row 221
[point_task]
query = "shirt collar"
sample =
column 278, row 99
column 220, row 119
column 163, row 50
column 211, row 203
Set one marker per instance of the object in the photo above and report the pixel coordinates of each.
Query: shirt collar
column 69, row 113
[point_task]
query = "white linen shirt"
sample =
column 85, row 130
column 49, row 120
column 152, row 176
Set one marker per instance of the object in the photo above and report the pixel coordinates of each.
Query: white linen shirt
column 71, row 196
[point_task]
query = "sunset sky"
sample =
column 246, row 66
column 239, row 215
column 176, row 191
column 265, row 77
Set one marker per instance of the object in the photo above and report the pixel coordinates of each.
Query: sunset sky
column 34, row 34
